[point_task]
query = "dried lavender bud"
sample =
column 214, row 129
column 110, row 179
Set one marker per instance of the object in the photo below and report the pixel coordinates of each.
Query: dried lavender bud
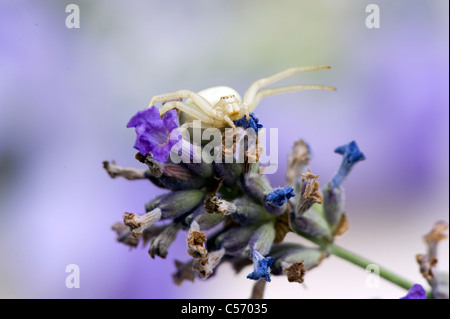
column 130, row 173
column 184, row 272
column 206, row 264
column 124, row 235
column 195, row 240
column 215, row 205
column 149, row 233
column 138, row 223
column 309, row 193
column 155, row 168
column 178, row 203
column 161, row 243
column 298, row 159
column 437, row 280
column 435, row 236
column 295, row 272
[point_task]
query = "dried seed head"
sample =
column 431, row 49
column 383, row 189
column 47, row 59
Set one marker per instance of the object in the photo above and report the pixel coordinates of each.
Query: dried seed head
column 184, row 272
column 206, row 264
column 219, row 206
column 195, row 240
column 281, row 227
column 426, row 265
column 298, row 159
column 138, row 223
column 295, row 272
column 154, row 167
column 435, row 236
column 124, row 235
column 437, row 233
column 130, row 173
column 309, row 192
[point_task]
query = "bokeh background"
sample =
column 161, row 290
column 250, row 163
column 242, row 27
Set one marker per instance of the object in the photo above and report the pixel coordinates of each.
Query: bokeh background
column 67, row 94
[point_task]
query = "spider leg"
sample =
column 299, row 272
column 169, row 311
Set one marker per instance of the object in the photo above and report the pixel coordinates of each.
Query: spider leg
column 192, row 111
column 284, row 89
column 255, row 86
column 229, row 121
column 200, row 101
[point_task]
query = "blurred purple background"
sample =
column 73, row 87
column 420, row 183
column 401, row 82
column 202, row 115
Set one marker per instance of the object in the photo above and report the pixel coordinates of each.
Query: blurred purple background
column 67, row 94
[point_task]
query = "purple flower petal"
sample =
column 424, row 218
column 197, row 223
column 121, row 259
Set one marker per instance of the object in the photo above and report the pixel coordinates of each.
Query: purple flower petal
column 416, row 292
column 171, row 120
column 153, row 133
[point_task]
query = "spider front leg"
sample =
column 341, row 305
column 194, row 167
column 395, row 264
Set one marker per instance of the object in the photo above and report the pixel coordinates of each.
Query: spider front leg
column 201, row 102
column 284, row 89
column 192, row 111
column 255, row 86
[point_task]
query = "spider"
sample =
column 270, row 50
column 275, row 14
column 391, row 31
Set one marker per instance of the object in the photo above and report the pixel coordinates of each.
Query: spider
column 220, row 106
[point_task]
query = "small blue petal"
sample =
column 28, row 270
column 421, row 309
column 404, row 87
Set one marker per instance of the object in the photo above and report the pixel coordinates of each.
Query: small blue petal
column 279, row 196
column 351, row 155
column 253, row 122
column 261, row 267
column 416, row 292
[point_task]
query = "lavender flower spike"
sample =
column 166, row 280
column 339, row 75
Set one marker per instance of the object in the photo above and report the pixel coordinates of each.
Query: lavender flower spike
column 351, row 155
column 416, row 292
column 153, row 133
column 261, row 267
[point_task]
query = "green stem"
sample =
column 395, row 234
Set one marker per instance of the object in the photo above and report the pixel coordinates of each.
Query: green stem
column 362, row 262
column 359, row 261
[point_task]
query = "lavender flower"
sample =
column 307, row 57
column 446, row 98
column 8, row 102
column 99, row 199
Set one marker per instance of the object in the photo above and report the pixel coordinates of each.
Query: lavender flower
column 261, row 267
column 153, row 133
column 351, row 155
column 279, row 196
column 229, row 211
column 253, row 123
column 416, row 292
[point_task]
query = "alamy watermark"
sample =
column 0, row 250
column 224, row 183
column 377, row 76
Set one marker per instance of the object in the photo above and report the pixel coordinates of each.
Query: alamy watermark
column 373, row 19
column 73, row 18
column 73, row 279
column 373, row 278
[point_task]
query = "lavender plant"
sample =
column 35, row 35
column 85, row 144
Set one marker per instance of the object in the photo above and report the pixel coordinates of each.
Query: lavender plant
column 229, row 212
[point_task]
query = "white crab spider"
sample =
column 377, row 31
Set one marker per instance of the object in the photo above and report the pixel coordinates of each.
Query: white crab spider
column 219, row 106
